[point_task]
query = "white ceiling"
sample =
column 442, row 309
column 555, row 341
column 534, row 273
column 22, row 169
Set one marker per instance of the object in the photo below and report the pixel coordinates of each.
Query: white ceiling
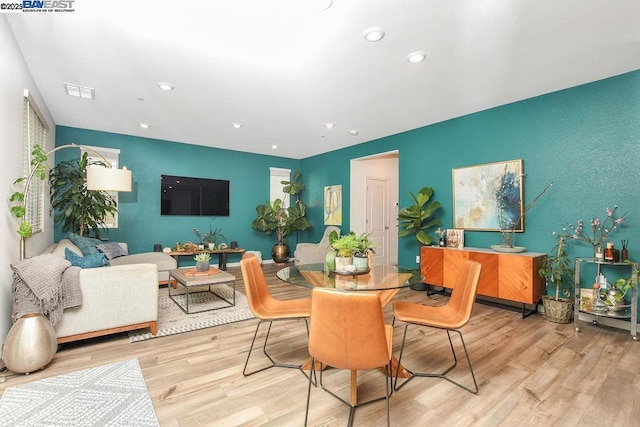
column 283, row 68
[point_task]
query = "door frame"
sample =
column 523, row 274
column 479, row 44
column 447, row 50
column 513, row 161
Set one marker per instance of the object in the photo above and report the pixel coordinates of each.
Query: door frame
column 382, row 165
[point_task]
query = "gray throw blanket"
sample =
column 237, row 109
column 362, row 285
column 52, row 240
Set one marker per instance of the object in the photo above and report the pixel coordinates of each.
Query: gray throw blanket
column 45, row 284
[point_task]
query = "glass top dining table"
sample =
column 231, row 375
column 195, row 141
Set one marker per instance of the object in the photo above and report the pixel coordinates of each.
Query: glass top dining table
column 379, row 278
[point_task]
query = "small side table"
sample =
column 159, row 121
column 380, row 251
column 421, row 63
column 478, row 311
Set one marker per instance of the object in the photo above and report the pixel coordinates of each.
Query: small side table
column 190, row 278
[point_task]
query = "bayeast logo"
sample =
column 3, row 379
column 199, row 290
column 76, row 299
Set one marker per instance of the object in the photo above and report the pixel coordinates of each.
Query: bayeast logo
column 47, row 5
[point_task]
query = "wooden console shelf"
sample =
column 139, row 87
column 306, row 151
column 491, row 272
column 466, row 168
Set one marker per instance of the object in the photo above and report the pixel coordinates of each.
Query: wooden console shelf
column 508, row 276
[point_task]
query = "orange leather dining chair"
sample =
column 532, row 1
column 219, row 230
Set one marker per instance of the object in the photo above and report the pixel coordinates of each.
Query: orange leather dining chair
column 450, row 317
column 348, row 332
column 268, row 309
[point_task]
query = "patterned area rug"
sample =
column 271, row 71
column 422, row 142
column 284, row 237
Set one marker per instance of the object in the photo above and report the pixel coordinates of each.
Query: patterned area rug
column 109, row 395
column 172, row 320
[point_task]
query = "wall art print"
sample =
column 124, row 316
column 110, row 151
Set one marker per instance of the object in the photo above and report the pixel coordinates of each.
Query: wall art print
column 333, row 205
column 489, row 196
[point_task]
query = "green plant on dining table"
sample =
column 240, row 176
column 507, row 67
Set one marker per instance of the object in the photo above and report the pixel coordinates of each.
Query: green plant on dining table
column 346, row 245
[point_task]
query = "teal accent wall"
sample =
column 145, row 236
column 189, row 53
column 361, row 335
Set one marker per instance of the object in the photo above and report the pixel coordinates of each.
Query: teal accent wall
column 140, row 222
column 585, row 139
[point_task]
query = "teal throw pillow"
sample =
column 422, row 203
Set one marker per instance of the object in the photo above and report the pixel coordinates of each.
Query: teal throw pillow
column 112, row 250
column 87, row 261
column 87, row 245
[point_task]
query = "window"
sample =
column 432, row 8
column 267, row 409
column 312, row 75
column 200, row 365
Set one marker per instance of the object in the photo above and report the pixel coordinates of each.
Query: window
column 34, row 132
column 277, row 176
column 112, row 155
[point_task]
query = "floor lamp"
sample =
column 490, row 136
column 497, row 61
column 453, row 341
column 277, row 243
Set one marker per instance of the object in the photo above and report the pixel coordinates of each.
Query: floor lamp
column 98, row 179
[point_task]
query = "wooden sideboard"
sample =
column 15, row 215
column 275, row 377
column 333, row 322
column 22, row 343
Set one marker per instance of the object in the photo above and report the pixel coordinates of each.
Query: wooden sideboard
column 507, row 276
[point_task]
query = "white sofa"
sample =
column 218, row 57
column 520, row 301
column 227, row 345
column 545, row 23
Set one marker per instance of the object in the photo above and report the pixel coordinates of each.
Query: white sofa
column 114, row 299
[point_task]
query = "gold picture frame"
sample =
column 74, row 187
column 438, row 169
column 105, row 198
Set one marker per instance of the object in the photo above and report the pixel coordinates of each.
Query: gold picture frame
column 488, row 197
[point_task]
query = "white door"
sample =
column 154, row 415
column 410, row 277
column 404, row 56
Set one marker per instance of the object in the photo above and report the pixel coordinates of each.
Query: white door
column 377, row 218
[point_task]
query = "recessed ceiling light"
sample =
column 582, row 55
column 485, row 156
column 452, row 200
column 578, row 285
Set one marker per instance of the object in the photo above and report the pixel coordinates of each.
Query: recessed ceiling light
column 274, row 147
column 329, row 125
column 236, row 125
column 325, row 4
column 373, row 34
column 165, row 86
column 145, row 125
column 353, row 132
column 416, row 56
column 80, row 91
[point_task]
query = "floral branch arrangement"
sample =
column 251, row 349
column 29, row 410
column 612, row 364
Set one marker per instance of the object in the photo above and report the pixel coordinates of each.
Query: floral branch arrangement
column 441, row 233
column 599, row 231
column 504, row 194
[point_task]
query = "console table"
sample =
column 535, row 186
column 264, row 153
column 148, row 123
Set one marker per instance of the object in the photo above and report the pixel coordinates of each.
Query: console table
column 508, row 276
column 222, row 254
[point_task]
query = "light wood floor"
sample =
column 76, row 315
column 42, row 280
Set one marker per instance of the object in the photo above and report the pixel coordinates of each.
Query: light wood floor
column 531, row 372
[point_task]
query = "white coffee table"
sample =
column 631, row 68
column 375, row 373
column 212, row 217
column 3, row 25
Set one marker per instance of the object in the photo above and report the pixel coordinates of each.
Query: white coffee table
column 193, row 283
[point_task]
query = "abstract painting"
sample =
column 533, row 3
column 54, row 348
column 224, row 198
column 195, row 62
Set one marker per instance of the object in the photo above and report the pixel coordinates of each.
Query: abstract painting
column 489, row 196
column 333, row 205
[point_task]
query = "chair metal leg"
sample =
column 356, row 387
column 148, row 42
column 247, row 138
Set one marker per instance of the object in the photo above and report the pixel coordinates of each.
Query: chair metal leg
column 444, row 373
column 352, row 408
column 312, row 372
column 274, row 363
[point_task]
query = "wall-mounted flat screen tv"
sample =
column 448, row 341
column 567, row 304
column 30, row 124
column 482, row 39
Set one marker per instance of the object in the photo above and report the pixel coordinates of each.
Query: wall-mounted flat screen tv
column 182, row 195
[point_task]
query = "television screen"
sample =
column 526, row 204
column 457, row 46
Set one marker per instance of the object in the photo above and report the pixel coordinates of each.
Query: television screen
column 194, row 196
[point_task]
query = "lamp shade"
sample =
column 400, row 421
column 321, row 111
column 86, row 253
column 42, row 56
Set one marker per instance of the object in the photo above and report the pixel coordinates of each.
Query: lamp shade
column 108, row 179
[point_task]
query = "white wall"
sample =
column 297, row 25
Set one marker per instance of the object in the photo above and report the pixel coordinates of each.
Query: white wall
column 15, row 77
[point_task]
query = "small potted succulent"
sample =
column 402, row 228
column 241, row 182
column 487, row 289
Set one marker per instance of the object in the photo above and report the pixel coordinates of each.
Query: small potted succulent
column 202, row 261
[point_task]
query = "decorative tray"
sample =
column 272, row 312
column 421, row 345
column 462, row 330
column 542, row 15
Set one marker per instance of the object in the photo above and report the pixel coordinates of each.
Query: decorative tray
column 195, row 272
column 350, row 273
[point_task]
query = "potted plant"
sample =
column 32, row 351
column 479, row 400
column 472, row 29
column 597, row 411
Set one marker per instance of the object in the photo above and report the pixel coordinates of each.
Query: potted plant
column 202, row 261
column 209, row 238
column 614, row 296
column 273, row 217
column 78, row 209
column 417, row 218
column 345, row 247
column 556, row 268
column 366, row 246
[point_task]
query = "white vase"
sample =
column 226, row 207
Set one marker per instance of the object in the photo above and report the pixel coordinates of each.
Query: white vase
column 342, row 262
column 30, row 344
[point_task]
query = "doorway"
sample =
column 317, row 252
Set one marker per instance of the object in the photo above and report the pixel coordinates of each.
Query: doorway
column 374, row 202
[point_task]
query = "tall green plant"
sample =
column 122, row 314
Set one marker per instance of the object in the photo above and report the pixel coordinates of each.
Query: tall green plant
column 417, row 218
column 78, row 209
column 273, row 217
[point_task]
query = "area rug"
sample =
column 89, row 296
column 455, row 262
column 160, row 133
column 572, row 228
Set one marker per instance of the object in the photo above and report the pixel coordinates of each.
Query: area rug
column 109, row 395
column 172, row 320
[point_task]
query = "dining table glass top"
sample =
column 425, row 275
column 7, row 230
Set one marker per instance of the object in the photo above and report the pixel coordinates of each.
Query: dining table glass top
column 381, row 277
